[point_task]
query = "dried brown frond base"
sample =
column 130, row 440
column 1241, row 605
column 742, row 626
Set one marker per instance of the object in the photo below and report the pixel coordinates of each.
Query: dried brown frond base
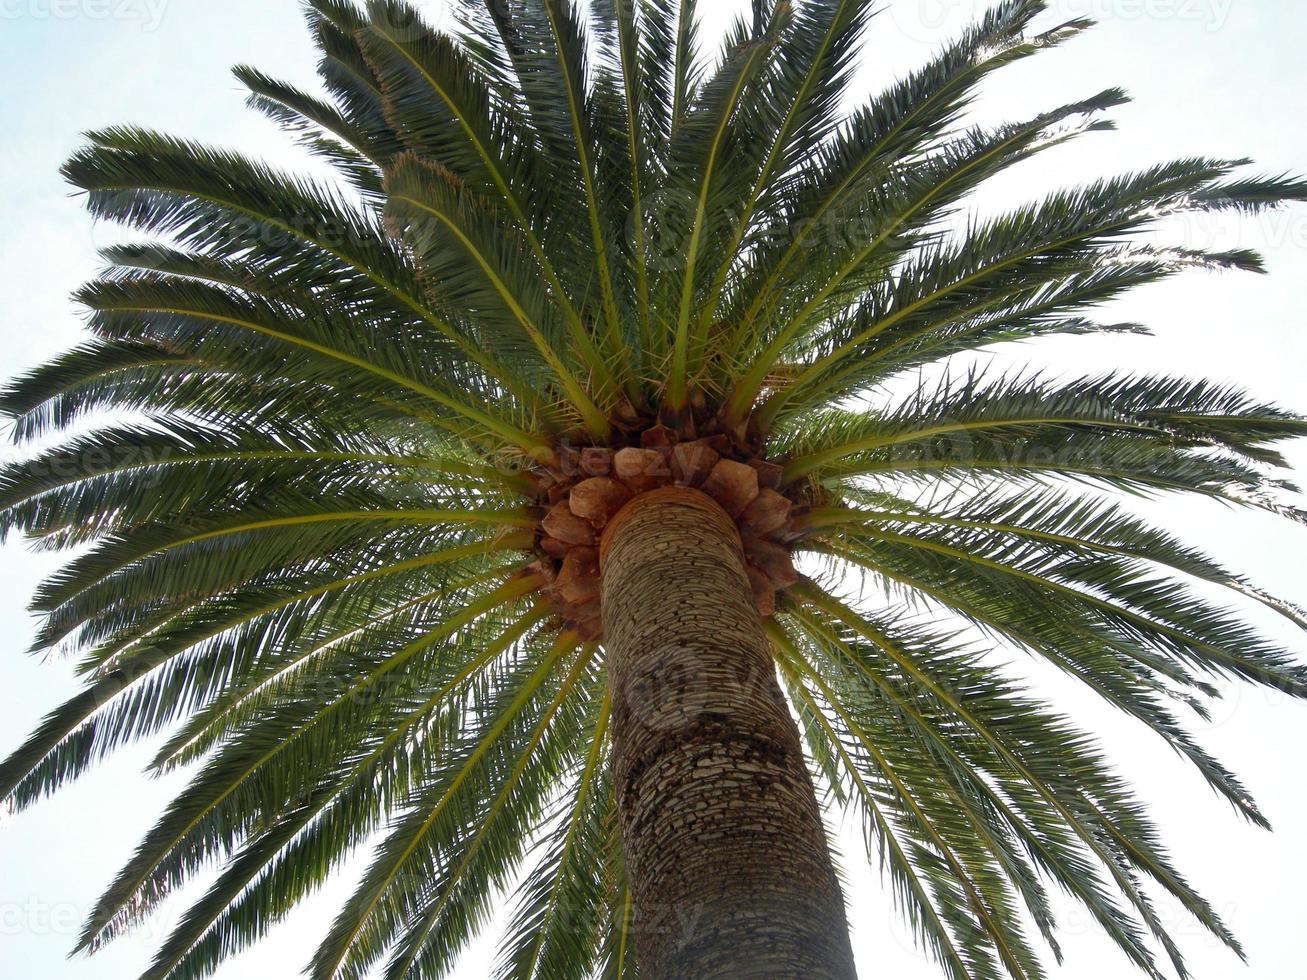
column 588, row 486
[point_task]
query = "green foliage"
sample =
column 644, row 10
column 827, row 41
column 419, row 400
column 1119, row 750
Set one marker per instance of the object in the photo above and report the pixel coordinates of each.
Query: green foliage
column 294, row 460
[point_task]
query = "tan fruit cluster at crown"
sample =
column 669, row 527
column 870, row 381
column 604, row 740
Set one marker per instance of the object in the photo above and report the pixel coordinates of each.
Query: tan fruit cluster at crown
column 588, row 487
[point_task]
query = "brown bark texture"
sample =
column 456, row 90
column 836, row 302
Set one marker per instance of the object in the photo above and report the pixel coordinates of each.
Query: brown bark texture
column 726, row 853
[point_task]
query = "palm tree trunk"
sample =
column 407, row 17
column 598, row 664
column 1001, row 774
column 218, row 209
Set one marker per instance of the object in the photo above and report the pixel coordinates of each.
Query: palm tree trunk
column 730, row 871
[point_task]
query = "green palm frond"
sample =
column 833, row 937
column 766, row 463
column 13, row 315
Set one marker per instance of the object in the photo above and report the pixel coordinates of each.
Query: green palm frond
column 571, row 899
column 308, row 455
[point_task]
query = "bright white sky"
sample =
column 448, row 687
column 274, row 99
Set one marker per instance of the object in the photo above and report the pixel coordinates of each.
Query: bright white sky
column 1210, row 77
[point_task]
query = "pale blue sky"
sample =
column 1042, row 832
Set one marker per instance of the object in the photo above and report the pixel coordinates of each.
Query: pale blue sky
column 1210, row 77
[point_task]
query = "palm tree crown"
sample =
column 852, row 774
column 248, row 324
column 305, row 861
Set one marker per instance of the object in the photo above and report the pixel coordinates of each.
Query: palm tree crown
column 338, row 539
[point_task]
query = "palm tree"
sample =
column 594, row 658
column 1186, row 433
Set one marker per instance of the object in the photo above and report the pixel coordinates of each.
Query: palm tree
column 448, row 507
